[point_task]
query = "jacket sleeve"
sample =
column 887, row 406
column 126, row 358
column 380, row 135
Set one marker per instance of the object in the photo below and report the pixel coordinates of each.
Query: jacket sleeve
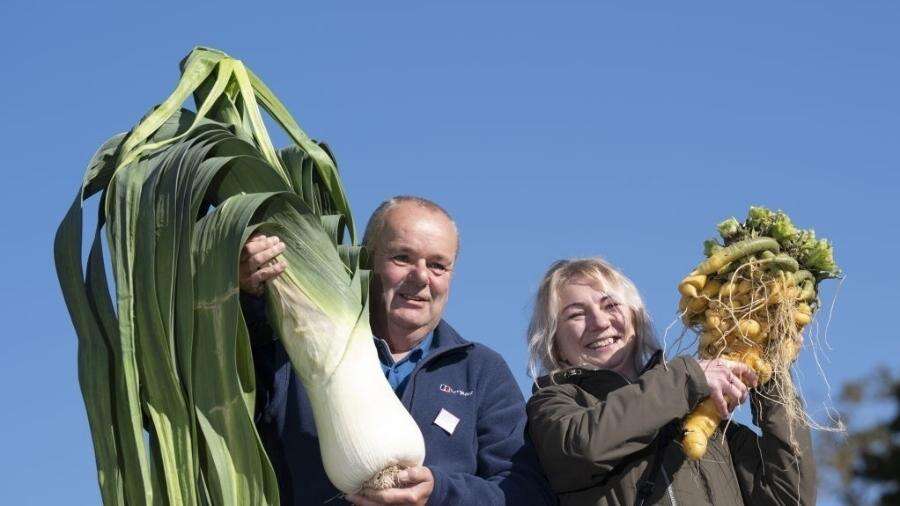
column 508, row 471
column 576, row 433
column 264, row 348
column 254, row 310
column 767, row 470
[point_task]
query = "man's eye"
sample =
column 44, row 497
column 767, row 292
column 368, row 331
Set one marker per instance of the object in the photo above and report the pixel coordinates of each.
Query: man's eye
column 400, row 259
column 437, row 267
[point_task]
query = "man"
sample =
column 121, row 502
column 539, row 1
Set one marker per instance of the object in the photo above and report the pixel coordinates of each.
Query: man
column 461, row 394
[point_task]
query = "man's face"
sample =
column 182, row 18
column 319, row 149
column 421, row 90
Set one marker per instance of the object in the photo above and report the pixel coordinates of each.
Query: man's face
column 413, row 265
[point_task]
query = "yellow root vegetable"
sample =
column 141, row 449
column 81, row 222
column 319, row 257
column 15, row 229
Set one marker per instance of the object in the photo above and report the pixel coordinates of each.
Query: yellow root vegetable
column 775, row 295
column 713, row 320
column 788, row 279
column 749, row 328
column 728, row 289
column 807, row 291
column 749, row 302
column 692, row 305
column 698, row 428
column 703, row 420
column 709, row 337
column 734, row 315
column 711, row 289
column 750, row 355
column 691, row 285
column 697, row 305
column 737, row 301
column 762, row 338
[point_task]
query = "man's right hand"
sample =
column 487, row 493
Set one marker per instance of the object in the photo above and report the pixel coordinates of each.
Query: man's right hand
column 258, row 263
column 728, row 383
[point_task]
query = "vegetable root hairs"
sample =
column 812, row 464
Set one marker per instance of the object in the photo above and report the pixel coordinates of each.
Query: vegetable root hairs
column 386, row 478
column 755, row 315
column 749, row 301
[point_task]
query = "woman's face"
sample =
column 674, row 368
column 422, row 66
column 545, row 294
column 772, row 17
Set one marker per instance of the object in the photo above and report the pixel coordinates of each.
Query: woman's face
column 593, row 329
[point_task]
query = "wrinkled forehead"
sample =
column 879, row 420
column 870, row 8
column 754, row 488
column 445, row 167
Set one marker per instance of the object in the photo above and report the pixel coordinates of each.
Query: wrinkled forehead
column 411, row 223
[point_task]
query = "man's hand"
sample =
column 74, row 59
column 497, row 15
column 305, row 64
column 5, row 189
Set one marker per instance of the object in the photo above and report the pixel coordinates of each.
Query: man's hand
column 258, row 263
column 416, row 485
column 728, row 383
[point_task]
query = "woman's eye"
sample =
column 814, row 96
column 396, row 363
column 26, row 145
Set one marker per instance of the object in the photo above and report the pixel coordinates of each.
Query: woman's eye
column 575, row 315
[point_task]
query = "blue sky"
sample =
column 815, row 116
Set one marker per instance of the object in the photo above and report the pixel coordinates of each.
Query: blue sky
column 548, row 132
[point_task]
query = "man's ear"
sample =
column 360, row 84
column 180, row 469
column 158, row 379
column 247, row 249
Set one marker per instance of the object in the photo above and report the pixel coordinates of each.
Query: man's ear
column 374, row 285
column 376, row 305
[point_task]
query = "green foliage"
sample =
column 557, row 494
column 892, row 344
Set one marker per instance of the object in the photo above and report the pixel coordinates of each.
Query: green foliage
column 168, row 361
column 710, row 246
column 814, row 255
column 729, row 229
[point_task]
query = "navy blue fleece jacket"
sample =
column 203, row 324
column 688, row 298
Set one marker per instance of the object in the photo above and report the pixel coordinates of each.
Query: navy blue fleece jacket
column 486, row 460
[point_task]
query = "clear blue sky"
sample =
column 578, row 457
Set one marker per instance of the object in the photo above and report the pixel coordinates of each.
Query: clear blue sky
column 547, row 129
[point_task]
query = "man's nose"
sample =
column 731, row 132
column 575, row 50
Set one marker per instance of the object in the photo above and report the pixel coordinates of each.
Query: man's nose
column 419, row 273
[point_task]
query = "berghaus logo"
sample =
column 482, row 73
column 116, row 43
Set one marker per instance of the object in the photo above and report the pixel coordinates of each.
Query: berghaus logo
column 447, row 389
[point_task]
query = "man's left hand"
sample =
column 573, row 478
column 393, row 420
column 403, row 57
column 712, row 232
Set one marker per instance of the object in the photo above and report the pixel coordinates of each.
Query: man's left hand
column 416, row 484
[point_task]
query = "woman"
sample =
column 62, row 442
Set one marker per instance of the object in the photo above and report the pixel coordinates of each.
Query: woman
column 605, row 418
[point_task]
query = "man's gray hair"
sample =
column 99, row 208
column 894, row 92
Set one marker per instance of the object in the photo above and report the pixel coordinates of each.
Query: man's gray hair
column 377, row 220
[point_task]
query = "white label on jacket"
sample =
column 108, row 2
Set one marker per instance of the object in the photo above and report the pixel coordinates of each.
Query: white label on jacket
column 447, row 421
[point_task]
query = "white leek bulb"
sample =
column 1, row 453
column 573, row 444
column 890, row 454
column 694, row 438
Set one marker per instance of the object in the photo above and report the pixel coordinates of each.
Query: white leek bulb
column 365, row 434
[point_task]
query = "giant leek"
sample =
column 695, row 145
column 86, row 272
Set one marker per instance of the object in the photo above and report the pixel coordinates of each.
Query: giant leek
column 341, row 377
column 165, row 368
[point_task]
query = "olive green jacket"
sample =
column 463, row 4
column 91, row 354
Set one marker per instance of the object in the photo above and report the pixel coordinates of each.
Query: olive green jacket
column 602, row 438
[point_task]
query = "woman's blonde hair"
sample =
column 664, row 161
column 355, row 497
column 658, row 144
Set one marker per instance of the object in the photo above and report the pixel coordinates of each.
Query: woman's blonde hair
column 543, row 354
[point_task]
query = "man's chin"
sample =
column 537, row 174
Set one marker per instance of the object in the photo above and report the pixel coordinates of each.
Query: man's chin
column 409, row 322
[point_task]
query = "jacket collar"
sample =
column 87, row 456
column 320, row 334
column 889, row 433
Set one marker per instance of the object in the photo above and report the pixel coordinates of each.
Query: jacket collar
column 577, row 375
column 446, row 338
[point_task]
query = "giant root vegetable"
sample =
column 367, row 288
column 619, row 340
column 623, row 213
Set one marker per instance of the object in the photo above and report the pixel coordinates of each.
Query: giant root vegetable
column 750, row 301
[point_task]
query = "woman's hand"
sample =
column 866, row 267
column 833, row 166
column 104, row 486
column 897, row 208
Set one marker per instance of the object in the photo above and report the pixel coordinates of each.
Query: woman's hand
column 729, row 383
column 258, row 263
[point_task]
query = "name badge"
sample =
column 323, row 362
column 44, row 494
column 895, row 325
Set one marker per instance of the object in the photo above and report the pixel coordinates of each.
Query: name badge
column 447, row 421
